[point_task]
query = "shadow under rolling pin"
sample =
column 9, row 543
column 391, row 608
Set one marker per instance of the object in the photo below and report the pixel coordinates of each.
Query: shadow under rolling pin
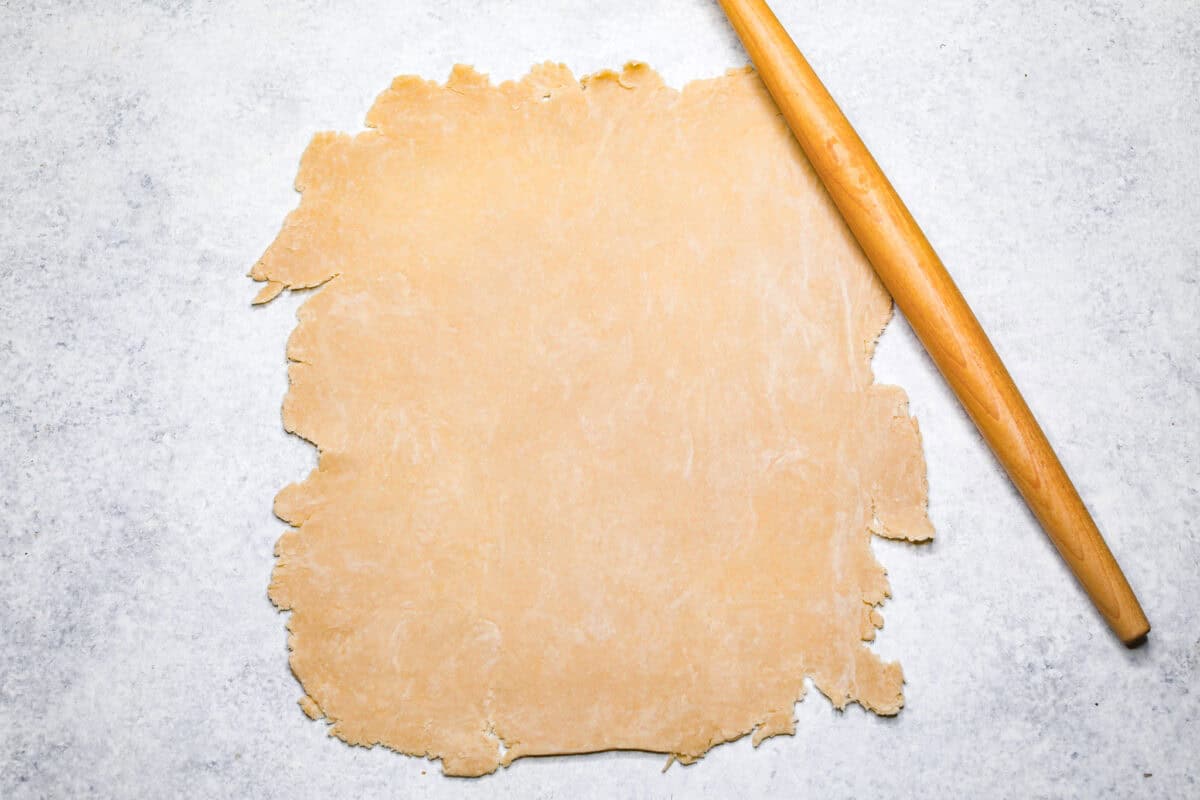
column 936, row 310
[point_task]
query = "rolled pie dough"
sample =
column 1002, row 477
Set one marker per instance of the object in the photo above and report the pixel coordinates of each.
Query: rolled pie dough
column 600, row 448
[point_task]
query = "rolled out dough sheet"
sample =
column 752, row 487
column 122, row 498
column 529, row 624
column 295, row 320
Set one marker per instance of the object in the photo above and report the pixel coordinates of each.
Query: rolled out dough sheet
column 600, row 448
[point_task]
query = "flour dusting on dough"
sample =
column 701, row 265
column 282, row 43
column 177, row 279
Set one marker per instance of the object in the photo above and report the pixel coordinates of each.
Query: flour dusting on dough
column 601, row 451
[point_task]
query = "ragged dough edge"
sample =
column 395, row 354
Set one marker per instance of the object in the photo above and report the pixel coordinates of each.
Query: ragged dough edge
column 915, row 528
column 283, row 268
column 876, row 685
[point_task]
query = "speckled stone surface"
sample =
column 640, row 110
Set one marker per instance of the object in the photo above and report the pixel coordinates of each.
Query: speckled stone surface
column 146, row 159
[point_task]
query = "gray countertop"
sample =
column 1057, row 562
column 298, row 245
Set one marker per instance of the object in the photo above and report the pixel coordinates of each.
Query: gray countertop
column 146, row 159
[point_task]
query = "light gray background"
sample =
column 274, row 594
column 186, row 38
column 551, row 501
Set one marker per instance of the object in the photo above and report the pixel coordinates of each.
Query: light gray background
column 146, row 158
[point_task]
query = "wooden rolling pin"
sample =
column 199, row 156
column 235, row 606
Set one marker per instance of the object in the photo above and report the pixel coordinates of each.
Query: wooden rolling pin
column 936, row 310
